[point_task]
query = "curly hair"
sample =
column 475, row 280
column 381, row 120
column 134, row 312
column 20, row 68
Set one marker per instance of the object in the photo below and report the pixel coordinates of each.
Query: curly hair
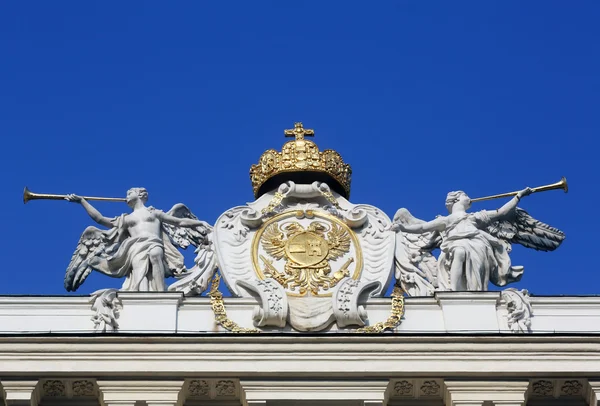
column 141, row 192
column 452, row 198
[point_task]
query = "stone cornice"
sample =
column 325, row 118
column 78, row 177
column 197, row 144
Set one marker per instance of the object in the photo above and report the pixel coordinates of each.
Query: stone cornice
column 308, row 356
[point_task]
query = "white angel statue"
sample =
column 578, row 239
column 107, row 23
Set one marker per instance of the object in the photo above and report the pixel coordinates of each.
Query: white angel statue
column 140, row 246
column 474, row 247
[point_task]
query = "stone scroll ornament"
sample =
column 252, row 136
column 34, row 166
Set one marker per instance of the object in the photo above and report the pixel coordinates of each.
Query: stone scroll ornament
column 474, row 247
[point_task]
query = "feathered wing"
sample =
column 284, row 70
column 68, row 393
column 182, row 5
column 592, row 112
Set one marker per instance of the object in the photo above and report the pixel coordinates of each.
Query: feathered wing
column 195, row 280
column 273, row 241
column 184, row 236
column 377, row 247
column 339, row 242
column 518, row 227
column 416, row 267
column 93, row 244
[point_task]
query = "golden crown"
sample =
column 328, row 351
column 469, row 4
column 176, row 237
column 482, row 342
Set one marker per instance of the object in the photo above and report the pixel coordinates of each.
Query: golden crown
column 300, row 161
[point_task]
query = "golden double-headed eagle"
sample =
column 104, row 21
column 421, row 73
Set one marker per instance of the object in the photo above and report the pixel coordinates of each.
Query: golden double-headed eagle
column 307, row 252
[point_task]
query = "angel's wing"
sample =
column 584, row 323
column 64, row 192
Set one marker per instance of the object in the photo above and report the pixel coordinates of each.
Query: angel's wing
column 184, row 236
column 92, row 244
column 518, row 227
column 416, row 267
column 377, row 247
column 195, row 280
column 339, row 242
column 273, row 241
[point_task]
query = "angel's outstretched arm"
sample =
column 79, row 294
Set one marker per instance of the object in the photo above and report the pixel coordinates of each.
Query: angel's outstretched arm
column 91, row 210
column 183, row 222
column 510, row 206
column 438, row 224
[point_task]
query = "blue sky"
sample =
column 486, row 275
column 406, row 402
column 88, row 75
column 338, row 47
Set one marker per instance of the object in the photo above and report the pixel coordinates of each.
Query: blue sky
column 182, row 97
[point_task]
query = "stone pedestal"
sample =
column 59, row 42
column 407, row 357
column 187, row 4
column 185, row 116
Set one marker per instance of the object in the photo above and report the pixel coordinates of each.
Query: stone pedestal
column 475, row 393
column 469, row 311
column 152, row 312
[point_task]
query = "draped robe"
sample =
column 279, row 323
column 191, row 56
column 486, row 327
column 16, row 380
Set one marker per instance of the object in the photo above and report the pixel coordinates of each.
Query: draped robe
column 486, row 257
column 129, row 257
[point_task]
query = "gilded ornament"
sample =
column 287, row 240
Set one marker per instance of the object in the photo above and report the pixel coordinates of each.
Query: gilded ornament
column 218, row 307
column 307, row 252
column 301, row 155
column 395, row 317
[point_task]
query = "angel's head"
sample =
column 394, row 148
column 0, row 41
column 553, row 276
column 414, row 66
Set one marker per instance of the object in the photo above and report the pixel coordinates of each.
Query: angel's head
column 136, row 193
column 457, row 198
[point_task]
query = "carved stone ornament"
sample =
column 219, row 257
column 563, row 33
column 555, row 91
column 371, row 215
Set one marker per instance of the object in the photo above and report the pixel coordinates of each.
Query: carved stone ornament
column 54, row 388
column 542, row 388
column 349, row 298
column 106, row 305
column 430, row 388
column 519, row 310
column 403, row 388
column 199, row 388
column 225, row 388
column 571, row 388
column 273, row 305
column 83, row 388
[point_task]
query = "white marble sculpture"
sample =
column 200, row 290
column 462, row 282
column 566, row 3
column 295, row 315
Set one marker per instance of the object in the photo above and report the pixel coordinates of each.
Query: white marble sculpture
column 139, row 246
column 106, row 307
column 474, row 247
column 518, row 310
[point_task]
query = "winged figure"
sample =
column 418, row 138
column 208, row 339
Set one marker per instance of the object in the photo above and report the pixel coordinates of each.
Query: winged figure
column 474, row 247
column 307, row 253
column 140, row 246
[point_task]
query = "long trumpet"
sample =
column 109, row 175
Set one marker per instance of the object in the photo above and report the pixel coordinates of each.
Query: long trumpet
column 28, row 195
column 561, row 184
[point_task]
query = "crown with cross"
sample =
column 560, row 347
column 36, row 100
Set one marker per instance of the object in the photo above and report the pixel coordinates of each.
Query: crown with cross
column 300, row 161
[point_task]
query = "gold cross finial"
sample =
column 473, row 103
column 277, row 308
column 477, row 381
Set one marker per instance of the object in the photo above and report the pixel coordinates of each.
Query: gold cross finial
column 299, row 132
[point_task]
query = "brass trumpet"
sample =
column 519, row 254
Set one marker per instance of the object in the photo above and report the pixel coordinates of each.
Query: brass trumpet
column 561, row 184
column 28, row 195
